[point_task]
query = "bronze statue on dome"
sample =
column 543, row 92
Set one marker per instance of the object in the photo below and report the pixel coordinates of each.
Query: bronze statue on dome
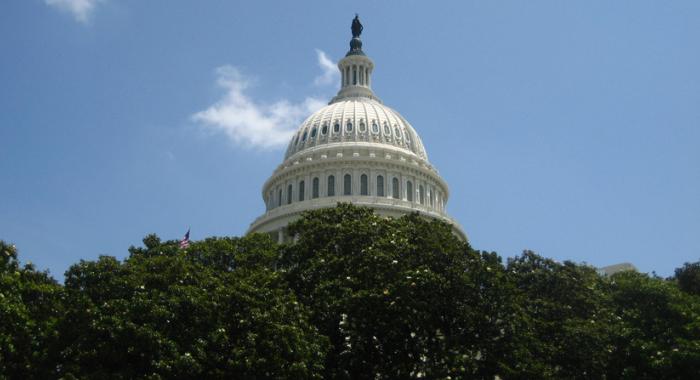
column 356, row 26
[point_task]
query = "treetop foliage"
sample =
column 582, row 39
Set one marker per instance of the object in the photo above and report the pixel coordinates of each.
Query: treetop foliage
column 353, row 296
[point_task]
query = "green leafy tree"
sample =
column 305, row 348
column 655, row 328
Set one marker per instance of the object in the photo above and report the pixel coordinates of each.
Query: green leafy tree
column 660, row 333
column 29, row 309
column 566, row 320
column 688, row 278
column 353, row 296
column 216, row 310
column 398, row 298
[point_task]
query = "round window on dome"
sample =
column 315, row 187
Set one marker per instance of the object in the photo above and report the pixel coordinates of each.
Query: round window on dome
column 336, row 127
column 313, row 132
column 387, row 130
column 363, row 127
column 348, row 126
column 324, row 129
column 375, row 127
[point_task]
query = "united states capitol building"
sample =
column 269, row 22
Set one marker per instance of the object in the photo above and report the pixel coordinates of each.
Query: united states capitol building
column 356, row 150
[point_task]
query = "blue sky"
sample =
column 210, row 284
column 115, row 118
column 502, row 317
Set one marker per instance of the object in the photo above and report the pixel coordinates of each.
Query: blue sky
column 569, row 128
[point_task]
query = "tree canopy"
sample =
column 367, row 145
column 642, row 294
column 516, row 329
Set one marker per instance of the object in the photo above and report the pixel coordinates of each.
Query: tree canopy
column 353, row 296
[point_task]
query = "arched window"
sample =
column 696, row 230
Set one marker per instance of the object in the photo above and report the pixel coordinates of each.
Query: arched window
column 363, row 127
column 421, row 195
column 303, row 138
column 380, row 186
column 348, row 126
column 313, row 132
column 314, row 188
column 324, row 129
column 347, row 185
column 375, row 127
column 395, row 188
column 387, row 130
column 431, row 197
column 397, row 132
column 409, row 191
column 331, row 186
column 363, row 185
column 336, row 127
column 279, row 197
column 289, row 194
column 301, row 191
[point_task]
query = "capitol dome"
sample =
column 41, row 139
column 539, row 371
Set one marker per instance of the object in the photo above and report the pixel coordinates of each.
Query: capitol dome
column 356, row 120
column 354, row 150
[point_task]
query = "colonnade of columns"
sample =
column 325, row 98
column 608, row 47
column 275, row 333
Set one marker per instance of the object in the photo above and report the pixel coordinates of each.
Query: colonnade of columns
column 355, row 75
column 357, row 182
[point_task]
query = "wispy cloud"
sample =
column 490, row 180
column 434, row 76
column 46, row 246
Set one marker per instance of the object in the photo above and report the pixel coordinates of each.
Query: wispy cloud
column 253, row 123
column 80, row 9
column 330, row 74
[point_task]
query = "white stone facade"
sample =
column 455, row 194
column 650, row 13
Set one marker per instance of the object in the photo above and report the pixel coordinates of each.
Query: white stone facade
column 354, row 150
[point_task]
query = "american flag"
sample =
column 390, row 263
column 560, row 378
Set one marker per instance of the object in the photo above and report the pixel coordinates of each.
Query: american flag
column 185, row 242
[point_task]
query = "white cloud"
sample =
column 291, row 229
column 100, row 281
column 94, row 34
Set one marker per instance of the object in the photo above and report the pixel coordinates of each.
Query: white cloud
column 81, row 9
column 330, row 74
column 250, row 123
column 260, row 124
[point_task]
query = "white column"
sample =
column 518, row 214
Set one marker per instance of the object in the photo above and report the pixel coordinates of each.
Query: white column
column 413, row 190
column 339, row 180
column 355, row 185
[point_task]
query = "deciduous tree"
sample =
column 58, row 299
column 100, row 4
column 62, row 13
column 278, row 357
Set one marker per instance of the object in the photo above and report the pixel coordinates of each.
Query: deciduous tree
column 398, row 298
